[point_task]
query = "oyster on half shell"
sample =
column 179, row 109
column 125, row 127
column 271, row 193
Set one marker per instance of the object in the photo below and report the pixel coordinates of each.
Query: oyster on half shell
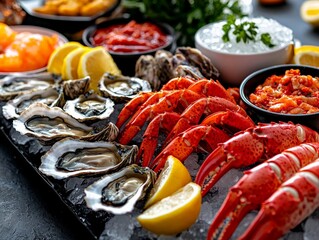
column 73, row 157
column 49, row 96
column 119, row 192
column 122, row 88
column 89, row 106
column 13, row 85
column 49, row 124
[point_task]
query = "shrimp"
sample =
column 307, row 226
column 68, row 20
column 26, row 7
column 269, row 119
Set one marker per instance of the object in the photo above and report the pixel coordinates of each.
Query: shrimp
column 24, row 51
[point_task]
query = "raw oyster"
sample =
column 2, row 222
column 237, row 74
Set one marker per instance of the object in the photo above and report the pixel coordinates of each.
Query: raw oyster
column 76, row 87
column 13, row 85
column 73, row 157
column 164, row 66
column 52, row 124
column 195, row 58
column 118, row 192
column 146, row 68
column 89, row 106
column 121, row 88
column 49, row 96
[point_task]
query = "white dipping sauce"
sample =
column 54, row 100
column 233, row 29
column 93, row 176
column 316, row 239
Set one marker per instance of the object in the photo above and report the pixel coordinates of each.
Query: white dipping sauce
column 211, row 37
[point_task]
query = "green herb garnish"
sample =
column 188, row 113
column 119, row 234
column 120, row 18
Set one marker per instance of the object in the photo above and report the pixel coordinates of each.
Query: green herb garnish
column 244, row 31
column 186, row 16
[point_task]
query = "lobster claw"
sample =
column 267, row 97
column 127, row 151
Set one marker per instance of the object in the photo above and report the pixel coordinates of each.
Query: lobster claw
column 256, row 186
column 296, row 199
column 242, row 198
column 228, row 218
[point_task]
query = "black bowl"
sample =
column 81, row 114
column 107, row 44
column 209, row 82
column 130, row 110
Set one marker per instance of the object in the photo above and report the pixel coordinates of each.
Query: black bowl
column 126, row 61
column 261, row 115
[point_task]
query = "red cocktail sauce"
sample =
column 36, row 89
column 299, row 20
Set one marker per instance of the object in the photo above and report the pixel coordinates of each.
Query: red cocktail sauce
column 130, row 37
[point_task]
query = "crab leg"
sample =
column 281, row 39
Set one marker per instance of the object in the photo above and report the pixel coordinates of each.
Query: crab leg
column 206, row 106
column 168, row 103
column 264, row 179
column 137, row 104
column 178, row 83
column 164, row 121
column 168, row 121
column 248, row 147
column 296, row 199
column 211, row 88
column 185, row 143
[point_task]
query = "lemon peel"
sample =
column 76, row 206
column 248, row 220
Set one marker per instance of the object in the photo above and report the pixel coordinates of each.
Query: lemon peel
column 175, row 213
column 309, row 12
column 95, row 63
column 173, row 176
column 307, row 55
column 56, row 59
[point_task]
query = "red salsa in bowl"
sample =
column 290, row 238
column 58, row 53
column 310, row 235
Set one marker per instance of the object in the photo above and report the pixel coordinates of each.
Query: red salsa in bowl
column 130, row 37
column 291, row 93
column 287, row 93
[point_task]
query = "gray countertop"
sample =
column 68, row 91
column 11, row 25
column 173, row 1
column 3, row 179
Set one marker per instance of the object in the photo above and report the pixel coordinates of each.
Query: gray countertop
column 29, row 209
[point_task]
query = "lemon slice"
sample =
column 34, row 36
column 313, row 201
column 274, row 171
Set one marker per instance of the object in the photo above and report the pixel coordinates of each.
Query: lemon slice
column 95, row 63
column 56, row 59
column 175, row 213
column 173, row 176
column 309, row 12
column 71, row 62
column 307, row 55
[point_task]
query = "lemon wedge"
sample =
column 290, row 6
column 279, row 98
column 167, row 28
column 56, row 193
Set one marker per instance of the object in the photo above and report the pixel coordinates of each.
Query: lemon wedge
column 309, row 12
column 71, row 62
column 175, row 213
column 307, row 55
column 56, row 59
column 95, row 63
column 173, row 176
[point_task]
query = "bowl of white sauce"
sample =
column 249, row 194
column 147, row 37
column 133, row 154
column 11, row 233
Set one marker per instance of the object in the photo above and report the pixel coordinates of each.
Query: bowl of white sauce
column 237, row 59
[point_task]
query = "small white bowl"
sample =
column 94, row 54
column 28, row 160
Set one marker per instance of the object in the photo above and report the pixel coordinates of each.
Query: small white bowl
column 235, row 67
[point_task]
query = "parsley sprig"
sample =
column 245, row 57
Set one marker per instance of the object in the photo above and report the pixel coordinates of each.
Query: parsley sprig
column 186, row 16
column 245, row 31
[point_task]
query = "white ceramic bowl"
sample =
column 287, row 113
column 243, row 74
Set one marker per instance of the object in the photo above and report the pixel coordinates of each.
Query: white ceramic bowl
column 235, row 67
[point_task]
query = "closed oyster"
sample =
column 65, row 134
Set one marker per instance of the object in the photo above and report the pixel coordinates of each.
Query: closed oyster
column 73, row 157
column 49, row 96
column 52, row 124
column 89, row 106
column 121, row 88
column 200, row 61
column 119, row 192
column 13, row 85
column 76, row 87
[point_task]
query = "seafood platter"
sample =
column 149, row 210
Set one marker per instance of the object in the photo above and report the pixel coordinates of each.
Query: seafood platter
column 104, row 147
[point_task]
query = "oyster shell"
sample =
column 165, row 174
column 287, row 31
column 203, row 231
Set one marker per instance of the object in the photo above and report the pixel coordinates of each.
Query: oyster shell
column 164, row 66
column 73, row 157
column 146, row 68
column 52, row 124
column 195, row 58
column 89, row 106
column 121, row 88
column 49, row 96
column 119, row 192
column 13, row 85
column 76, row 87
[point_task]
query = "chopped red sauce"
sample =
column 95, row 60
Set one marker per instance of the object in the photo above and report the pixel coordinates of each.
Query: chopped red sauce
column 291, row 93
column 130, row 37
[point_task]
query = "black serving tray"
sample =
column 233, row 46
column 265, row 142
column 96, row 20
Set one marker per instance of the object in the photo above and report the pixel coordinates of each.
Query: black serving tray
column 103, row 225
